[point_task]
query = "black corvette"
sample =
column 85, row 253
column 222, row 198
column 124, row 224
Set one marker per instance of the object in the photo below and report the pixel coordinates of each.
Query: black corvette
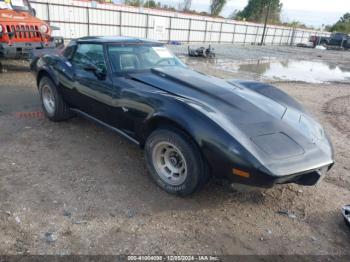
column 192, row 126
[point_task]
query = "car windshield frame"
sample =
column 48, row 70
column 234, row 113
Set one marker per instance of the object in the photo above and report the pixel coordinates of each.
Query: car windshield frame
column 5, row 6
column 25, row 8
column 177, row 62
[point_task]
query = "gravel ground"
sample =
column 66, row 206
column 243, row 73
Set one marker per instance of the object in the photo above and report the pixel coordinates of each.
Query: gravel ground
column 76, row 188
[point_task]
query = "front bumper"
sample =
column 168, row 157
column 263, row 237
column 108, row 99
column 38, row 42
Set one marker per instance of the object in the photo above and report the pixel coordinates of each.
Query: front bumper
column 262, row 179
column 23, row 50
column 346, row 214
column 307, row 178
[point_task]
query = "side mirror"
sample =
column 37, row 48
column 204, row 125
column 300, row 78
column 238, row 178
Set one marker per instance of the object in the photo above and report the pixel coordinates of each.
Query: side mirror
column 33, row 12
column 53, row 27
column 90, row 68
column 100, row 74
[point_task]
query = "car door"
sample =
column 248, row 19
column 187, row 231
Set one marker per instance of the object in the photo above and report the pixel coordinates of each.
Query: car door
column 133, row 97
column 92, row 87
column 128, row 98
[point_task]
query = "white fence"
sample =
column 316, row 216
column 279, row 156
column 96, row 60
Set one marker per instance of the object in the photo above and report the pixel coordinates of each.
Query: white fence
column 88, row 18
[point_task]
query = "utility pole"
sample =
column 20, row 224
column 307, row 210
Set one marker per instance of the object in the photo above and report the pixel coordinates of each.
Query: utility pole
column 319, row 38
column 267, row 16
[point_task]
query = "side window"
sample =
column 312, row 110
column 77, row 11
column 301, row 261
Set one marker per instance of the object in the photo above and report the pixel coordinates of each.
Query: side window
column 150, row 56
column 87, row 54
column 69, row 51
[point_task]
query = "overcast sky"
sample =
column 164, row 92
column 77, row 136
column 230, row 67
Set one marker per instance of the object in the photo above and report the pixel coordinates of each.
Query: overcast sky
column 311, row 5
column 311, row 12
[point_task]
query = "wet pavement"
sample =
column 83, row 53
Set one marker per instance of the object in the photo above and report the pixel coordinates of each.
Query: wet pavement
column 281, row 53
column 272, row 63
column 304, row 71
column 273, row 70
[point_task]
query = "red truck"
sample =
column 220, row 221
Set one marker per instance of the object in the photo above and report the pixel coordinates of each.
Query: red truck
column 21, row 32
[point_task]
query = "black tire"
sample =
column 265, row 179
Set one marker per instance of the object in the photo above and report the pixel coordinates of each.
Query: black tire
column 61, row 111
column 197, row 171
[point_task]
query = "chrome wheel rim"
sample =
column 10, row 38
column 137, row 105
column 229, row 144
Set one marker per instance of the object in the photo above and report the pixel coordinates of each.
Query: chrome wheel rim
column 48, row 99
column 169, row 163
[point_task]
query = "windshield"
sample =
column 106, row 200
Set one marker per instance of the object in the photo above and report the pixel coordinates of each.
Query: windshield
column 140, row 57
column 5, row 4
column 18, row 5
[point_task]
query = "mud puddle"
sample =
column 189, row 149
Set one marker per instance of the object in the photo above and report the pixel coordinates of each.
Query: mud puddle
column 275, row 70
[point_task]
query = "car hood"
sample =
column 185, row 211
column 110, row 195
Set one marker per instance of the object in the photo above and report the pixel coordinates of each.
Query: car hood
column 25, row 18
column 239, row 104
column 270, row 130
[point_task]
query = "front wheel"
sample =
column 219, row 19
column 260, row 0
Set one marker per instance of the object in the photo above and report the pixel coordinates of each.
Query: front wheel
column 52, row 102
column 175, row 162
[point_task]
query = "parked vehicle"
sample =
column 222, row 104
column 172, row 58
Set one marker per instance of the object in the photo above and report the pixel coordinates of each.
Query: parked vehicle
column 21, row 32
column 340, row 40
column 306, row 45
column 318, row 40
column 346, row 214
column 201, row 52
column 191, row 125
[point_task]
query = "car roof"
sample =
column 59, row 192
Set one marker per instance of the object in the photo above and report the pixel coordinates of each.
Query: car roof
column 115, row 40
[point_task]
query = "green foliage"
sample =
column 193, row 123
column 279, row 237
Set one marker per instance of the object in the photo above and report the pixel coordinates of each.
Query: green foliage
column 233, row 14
column 186, row 5
column 342, row 26
column 256, row 10
column 345, row 18
column 298, row 24
column 151, row 4
column 133, row 2
column 216, row 6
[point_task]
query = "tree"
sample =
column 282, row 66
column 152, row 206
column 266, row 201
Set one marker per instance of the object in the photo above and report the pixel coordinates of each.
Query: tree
column 216, row 6
column 133, row 2
column 233, row 14
column 345, row 18
column 256, row 10
column 186, row 5
column 343, row 24
column 150, row 4
column 298, row 24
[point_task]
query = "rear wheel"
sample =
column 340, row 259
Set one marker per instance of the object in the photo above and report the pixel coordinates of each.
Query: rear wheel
column 52, row 102
column 175, row 162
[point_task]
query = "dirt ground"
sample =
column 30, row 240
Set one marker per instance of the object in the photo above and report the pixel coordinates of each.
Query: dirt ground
column 76, row 188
